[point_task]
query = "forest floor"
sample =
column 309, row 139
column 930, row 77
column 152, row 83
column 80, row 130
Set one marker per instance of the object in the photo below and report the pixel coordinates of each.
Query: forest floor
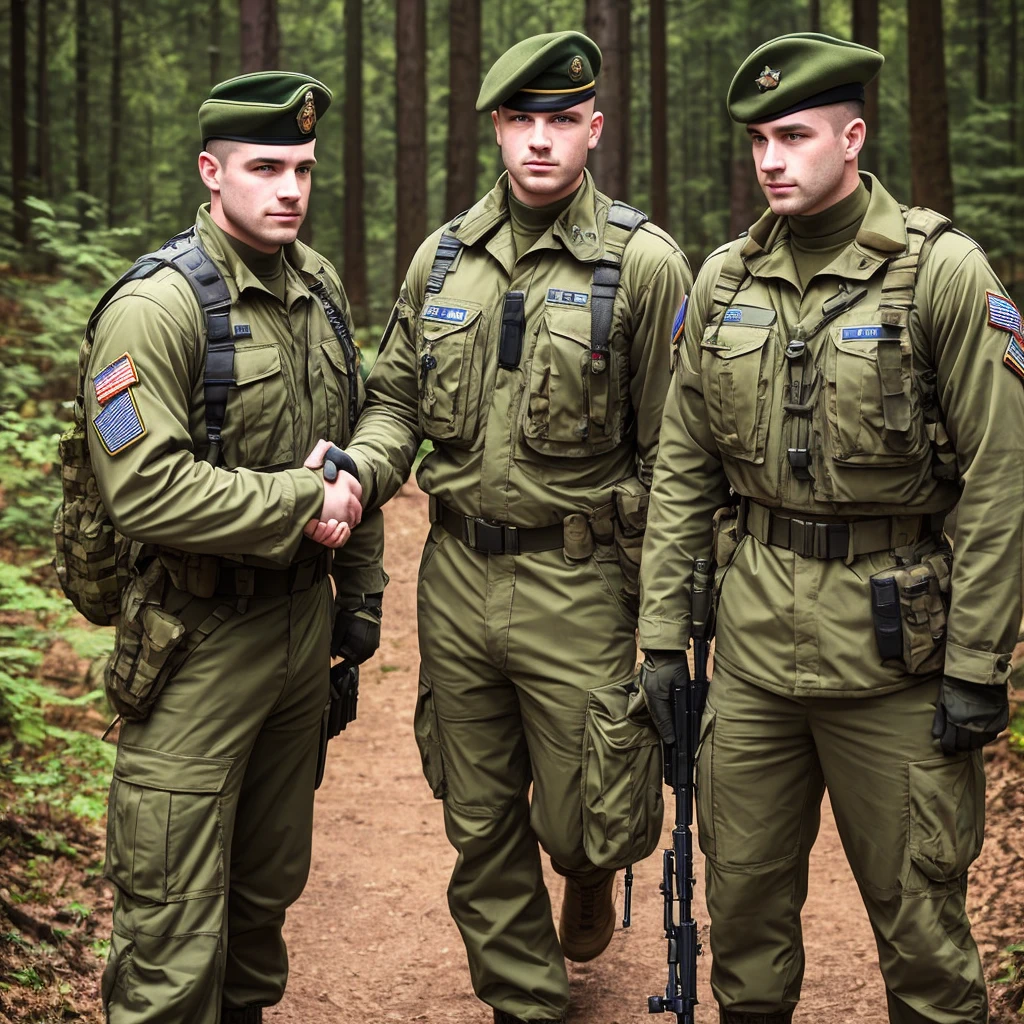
column 371, row 939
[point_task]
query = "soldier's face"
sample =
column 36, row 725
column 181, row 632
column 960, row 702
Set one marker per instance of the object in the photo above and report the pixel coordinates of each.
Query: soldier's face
column 259, row 194
column 806, row 162
column 545, row 153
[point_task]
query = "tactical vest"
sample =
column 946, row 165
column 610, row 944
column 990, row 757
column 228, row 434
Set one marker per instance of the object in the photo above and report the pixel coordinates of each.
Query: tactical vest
column 93, row 561
column 818, row 437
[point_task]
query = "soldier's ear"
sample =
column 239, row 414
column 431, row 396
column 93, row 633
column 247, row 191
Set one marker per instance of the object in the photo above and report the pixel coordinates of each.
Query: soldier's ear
column 497, row 127
column 209, row 171
column 596, row 127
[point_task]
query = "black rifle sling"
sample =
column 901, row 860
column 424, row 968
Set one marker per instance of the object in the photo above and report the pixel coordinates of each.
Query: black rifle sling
column 348, row 348
column 185, row 254
column 623, row 220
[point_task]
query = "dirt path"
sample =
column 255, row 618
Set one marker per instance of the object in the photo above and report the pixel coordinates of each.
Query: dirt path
column 371, row 938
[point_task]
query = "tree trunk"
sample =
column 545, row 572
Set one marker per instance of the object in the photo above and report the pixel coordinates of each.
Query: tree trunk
column 260, row 37
column 931, row 177
column 353, row 200
column 626, row 95
column 814, row 14
column 982, row 36
column 410, row 131
column 1011, row 74
column 82, row 95
column 463, row 82
column 659, row 115
column 741, row 192
column 214, row 47
column 44, row 162
column 115, row 163
column 865, row 32
column 19, row 120
column 604, row 24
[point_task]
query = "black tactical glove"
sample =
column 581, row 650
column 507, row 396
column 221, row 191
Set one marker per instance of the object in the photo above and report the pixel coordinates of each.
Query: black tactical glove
column 656, row 675
column 357, row 630
column 969, row 715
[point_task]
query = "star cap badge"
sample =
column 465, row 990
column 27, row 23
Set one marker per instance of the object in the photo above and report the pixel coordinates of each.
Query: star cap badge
column 768, row 79
column 576, row 68
column 306, row 117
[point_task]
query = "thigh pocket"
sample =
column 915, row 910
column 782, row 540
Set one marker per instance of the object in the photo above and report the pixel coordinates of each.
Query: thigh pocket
column 165, row 839
column 428, row 739
column 947, row 815
column 703, row 779
column 622, row 775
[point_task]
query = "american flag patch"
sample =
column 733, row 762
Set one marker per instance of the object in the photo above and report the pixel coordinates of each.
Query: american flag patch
column 115, row 378
column 679, row 322
column 1013, row 357
column 119, row 424
column 1005, row 316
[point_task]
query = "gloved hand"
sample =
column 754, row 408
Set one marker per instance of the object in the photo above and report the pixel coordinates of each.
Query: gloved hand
column 356, row 633
column 969, row 715
column 656, row 675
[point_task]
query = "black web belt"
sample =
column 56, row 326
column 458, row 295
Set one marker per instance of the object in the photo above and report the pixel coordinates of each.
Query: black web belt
column 256, row 581
column 495, row 538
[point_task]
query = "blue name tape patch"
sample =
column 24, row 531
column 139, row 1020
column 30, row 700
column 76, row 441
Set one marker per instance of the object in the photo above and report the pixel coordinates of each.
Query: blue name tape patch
column 446, row 314
column 119, row 424
column 870, row 332
column 733, row 316
column 564, row 297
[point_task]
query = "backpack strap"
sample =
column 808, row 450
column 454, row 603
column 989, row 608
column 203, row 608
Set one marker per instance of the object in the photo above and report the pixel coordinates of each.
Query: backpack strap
column 447, row 252
column 731, row 276
column 348, row 347
column 623, row 222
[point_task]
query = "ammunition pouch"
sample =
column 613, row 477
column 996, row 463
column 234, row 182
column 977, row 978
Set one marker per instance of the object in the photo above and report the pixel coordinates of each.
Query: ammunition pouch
column 909, row 609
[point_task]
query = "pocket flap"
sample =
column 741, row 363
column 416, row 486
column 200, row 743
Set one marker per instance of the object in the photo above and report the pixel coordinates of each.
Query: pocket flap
column 574, row 325
column 441, row 319
column 252, row 364
column 732, row 340
column 171, row 773
column 335, row 356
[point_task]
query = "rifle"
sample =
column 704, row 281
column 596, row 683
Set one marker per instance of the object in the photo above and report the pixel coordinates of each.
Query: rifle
column 677, row 882
column 340, row 710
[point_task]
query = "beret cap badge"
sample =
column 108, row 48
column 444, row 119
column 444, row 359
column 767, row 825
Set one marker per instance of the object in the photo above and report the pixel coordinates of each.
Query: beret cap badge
column 768, row 79
column 576, row 68
column 306, row 117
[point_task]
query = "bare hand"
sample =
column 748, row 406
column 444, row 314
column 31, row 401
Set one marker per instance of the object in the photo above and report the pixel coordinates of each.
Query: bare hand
column 331, row 534
column 341, row 505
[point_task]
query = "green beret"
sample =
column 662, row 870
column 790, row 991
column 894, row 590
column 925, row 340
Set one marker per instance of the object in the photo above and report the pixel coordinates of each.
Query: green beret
column 278, row 108
column 549, row 72
column 799, row 71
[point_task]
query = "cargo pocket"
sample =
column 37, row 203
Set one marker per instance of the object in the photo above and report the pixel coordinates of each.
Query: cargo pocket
column 258, row 427
column 428, row 739
column 165, row 839
column 632, row 500
column 703, row 778
column 947, row 815
column 449, row 371
column 737, row 367
column 622, row 776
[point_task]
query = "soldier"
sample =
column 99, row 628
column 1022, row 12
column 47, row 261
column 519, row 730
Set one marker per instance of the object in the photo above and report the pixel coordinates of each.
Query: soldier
column 229, row 614
column 850, row 368
column 530, row 344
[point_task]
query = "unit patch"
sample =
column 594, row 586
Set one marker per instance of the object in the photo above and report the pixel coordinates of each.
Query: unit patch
column 1004, row 316
column 119, row 424
column 114, row 378
column 445, row 314
column 869, row 333
column 733, row 316
column 750, row 316
column 679, row 323
column 243, row 331
column 562, row 297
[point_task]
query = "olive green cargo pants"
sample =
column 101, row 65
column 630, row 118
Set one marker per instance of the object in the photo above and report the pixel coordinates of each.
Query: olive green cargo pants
column 210, row 818
column 526, row 672
column 910, row 819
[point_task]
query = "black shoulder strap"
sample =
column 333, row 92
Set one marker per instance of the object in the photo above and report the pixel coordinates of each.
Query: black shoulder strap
column 623, row 221
column 348, row 347
column 448, row 249
column 185, row 253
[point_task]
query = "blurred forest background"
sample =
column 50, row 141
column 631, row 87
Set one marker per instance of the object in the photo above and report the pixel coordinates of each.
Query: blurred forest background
column 98, row 164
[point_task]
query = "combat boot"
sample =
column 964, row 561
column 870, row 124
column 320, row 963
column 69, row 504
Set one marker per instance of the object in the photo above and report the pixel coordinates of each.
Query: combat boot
column 588, row 918
column 746, row 1017
column 501, row 1017
column 241, row 1015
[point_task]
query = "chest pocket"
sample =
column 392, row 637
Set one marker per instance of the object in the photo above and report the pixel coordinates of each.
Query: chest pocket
column 872, row 410
column 737, row 365
column 571, row 411
column 258, row 425
column 448, row 364
column 334, row 372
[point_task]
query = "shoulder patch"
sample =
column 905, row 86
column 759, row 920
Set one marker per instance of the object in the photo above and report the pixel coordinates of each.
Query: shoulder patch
column 680, row 322
column 1004, row 316
column 119, row 424
column 114, row 378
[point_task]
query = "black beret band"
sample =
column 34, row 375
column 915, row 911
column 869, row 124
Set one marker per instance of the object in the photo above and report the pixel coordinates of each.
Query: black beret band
column 838, row 94
column 532, row 103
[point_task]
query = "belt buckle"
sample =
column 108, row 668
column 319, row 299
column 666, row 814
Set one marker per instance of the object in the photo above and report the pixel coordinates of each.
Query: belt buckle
column 484, row 536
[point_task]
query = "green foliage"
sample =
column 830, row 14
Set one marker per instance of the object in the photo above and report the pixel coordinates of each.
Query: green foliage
column 1016, row 739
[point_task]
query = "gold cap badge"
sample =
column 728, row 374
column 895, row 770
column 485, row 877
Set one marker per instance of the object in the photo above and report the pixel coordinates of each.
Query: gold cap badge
column 576, row 68
column 306, row 117
column 768, row 79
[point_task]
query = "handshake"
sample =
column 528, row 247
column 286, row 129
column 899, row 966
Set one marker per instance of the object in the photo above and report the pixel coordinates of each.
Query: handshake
column 342, row 508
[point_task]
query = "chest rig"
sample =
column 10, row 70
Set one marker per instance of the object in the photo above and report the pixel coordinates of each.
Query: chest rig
column 623, row 222
column 802, row 366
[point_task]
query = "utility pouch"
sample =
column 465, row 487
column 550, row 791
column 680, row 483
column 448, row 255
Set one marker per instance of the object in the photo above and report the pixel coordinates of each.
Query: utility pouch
column 725, row 539
column 922, row 592
column 632, row 500
column 577, row 537
column 513, row 326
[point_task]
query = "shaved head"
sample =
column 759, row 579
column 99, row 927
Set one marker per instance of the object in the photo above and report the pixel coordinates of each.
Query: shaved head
column 841, row 114
column 221, row 149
